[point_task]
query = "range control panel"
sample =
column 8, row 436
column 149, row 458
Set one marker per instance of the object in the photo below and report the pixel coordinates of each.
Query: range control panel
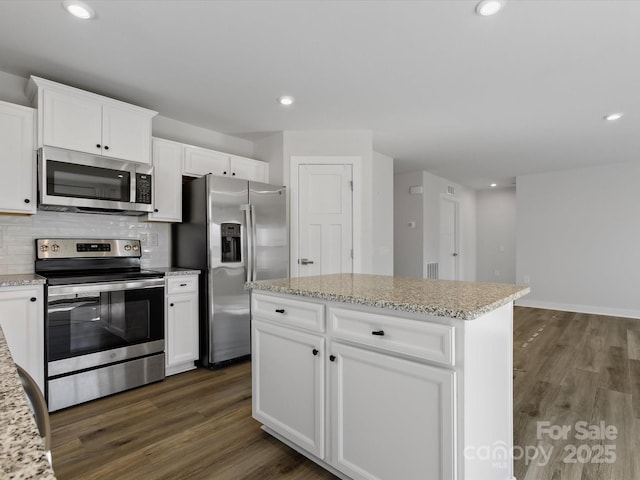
column 83, row 248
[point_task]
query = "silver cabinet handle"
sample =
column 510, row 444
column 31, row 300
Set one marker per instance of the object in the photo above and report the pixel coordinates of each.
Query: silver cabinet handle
column 305, row 261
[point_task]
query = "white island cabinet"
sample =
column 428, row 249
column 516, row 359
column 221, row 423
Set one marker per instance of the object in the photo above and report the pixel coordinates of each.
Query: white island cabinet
column 381, row 378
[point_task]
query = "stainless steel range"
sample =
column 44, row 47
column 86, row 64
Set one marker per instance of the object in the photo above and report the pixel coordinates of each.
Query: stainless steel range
column 104, row 320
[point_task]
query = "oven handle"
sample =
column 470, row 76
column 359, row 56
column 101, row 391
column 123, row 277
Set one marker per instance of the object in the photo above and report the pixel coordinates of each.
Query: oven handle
column 104, row 287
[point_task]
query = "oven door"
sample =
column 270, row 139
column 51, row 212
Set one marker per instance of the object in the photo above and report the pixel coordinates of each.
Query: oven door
column 89, row 325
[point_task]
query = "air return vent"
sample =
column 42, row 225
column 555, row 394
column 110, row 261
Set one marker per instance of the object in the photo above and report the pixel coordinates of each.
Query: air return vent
column 432, row 271
column 451, row 190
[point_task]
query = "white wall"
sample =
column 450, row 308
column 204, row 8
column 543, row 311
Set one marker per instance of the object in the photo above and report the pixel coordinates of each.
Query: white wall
column 496, row 238
column 408, row 260
column 408, row 241
column 170, row 129
column 271, row 149
column 382, row 214
column 578, row 239
column 12, row 89
column 18, row 232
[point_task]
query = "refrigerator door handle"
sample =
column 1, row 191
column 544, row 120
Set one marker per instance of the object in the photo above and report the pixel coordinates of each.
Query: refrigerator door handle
column 249, row 239
column 254, row 244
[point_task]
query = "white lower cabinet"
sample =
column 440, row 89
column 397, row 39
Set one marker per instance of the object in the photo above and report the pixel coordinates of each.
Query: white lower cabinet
column 181, row 323
column 391, row 418
column 22, row 321
column 289, row 385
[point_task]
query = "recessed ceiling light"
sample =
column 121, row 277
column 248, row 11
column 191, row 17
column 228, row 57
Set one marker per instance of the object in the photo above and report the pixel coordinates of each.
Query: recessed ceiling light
column 286, row 100
column 494, row 185
column 78, row 9
column 613, row 116
column 489, row 7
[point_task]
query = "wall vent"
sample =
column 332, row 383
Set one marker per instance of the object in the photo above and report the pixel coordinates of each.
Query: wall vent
column 432, row 271
column 451, row 190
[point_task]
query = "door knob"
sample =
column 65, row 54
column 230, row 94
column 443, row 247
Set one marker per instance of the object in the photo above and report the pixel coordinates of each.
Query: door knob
column 305, row 261
column 455, row 254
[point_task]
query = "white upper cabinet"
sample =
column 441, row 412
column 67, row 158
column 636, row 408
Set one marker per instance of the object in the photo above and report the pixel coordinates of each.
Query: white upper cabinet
column 201, row 161
column 126, row 134
column 77, row 120
column 249, row 169
column 17, row 161
column 167, row 181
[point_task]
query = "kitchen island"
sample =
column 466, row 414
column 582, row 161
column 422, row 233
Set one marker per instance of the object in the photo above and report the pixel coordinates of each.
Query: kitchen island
column 380, row 377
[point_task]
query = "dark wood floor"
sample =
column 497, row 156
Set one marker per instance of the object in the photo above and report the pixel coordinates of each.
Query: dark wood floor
column 567, row 368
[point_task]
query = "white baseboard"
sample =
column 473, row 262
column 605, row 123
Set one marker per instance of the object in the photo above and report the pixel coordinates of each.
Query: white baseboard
column 566, row 307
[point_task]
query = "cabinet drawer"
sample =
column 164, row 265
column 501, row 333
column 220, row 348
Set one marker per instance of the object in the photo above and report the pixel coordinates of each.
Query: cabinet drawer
column 429, row 341
column 287, row 311
column 182, row 284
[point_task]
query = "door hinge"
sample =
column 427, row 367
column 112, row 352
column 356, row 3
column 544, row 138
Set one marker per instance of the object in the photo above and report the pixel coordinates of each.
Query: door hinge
column 351, row 184
column 352, row 254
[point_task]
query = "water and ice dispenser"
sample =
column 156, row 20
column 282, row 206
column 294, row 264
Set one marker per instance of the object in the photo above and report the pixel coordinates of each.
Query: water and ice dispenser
column 230, row 241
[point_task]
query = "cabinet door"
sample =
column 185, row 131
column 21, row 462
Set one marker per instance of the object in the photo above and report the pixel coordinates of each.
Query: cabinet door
column 126, row 134
column 200, row 161
column 182, row 329
column 288, row 384
column 167, row 181
column 22, row 321
column 17, row 162
column 391, row 418
column 249, row 169
column 72, row 121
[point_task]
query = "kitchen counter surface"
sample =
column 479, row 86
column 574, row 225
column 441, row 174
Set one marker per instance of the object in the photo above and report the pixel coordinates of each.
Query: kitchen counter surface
column 22, row 454
column 444, row 298
column 20, row 280
column 176, row 271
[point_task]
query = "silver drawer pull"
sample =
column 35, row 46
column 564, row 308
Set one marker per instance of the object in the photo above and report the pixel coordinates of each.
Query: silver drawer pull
column 183, row 284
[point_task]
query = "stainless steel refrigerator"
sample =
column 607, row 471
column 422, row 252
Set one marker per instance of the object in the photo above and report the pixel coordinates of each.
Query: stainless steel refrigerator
column 233, row 231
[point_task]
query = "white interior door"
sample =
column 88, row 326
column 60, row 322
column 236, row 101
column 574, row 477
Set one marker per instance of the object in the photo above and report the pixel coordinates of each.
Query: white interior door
column 449, row 243
column 325, row 231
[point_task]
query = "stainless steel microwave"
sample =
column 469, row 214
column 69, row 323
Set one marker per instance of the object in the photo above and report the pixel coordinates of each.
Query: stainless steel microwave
column 70, row 181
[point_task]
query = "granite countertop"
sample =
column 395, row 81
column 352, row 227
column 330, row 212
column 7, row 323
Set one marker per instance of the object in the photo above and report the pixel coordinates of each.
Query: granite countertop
column 444, row 298
column 22, row 454
column 20, row 280
column 175, row 271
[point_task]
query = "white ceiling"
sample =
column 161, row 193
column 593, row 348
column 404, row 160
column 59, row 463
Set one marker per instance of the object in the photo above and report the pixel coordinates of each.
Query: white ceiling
column 469, row 98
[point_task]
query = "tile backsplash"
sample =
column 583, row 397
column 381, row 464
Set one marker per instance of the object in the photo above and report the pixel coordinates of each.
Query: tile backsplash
column 17, row 235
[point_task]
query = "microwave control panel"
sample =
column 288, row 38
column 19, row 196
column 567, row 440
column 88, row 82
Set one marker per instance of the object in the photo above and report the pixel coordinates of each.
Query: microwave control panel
column 143, row 188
